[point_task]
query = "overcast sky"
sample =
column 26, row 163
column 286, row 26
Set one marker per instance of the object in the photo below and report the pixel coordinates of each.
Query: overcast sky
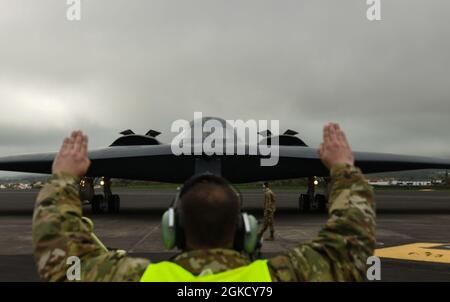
column 142, row 64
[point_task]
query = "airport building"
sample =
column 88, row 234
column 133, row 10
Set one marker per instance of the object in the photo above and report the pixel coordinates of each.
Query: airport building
column 406, row 183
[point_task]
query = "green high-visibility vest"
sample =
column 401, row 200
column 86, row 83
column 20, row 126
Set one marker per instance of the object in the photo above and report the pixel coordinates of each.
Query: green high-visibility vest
column 165, row 271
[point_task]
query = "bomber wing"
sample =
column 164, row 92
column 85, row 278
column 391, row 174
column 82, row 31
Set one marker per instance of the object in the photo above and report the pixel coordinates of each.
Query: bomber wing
column 158, row 163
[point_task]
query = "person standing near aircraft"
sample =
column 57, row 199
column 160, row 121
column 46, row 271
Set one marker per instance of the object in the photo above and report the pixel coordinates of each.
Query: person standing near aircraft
column 269, row 212
column 338, row 253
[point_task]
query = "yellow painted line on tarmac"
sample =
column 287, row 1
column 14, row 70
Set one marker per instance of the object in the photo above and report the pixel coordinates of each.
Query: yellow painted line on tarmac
column 427, row 252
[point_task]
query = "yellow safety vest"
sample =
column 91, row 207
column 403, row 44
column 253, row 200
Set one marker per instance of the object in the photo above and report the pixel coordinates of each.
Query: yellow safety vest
column 166, row 271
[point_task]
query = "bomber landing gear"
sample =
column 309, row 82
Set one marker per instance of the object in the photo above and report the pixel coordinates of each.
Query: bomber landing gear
column 311, row 201
column 107, row 202
column 101, row 204
column 321, row 203
column 316, row 203
column 98, row 204
column 304, row 203
column 114, row 204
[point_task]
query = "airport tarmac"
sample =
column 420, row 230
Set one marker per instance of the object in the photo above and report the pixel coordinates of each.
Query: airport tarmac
column 413, row 230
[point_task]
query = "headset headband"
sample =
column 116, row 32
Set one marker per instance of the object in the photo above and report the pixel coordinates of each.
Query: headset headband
column 204, row 177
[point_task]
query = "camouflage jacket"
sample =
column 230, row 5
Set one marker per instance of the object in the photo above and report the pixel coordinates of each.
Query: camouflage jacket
column 338, row 253
column 269, row 200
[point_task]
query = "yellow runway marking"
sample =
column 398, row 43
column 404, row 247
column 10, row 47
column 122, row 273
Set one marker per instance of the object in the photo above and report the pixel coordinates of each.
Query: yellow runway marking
column 428, row 252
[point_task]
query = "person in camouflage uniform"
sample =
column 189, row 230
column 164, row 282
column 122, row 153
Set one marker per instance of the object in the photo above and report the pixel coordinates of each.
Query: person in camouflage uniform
column 338, row 253
column 269, row 211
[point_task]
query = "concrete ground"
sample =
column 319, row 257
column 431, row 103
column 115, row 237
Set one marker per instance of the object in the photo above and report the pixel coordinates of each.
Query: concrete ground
column 404, row 217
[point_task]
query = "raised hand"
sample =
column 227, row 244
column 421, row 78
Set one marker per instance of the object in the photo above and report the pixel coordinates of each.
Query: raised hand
column 335, row 148
column 72, row 157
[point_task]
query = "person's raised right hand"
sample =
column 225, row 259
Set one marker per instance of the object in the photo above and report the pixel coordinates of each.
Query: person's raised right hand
column 335, row 148
column 72, row 158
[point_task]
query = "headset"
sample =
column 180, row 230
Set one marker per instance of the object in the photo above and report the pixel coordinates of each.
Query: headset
column 246, row 235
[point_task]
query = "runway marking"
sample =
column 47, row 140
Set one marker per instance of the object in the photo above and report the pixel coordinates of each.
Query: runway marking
column 427, row 252
column 153, row 228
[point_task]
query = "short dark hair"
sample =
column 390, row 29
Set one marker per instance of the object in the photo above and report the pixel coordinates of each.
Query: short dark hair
column 209, row 209
column 266, row 184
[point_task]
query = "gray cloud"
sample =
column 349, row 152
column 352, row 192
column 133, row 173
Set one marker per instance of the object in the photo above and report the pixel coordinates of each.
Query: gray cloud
column 142, row 64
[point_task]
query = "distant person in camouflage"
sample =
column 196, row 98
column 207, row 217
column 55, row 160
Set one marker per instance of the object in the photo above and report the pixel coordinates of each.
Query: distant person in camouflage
column 269, row 211
column 338, row 253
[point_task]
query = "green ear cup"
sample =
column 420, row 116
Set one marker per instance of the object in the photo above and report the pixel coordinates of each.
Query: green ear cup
column 251, row 237
column 168, row 229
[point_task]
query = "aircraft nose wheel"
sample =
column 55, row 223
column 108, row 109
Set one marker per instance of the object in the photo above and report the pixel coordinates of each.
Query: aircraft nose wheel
column 98, row 204
column 319, row 203
column 304, row 204
column 114, row 204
